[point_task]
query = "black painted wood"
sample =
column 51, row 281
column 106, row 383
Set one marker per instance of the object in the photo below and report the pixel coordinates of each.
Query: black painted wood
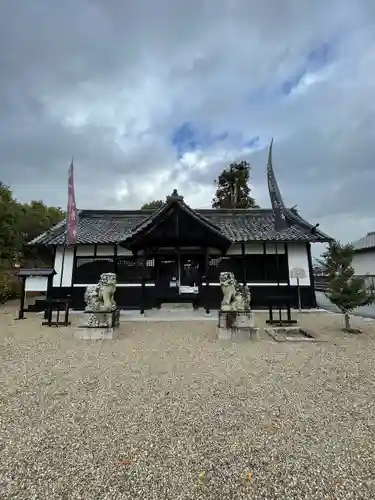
column 311, row 273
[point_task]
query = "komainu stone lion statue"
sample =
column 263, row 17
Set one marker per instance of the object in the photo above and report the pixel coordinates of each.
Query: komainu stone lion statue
column 100, row 297
column 236, row 297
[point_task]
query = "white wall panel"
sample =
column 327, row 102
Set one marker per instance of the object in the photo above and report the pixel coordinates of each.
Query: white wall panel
column 85, row 250
column 298, row 257
column 68, row 266
column 105, row 250
column 364, row 263
column 273, row 248
column 121, row 251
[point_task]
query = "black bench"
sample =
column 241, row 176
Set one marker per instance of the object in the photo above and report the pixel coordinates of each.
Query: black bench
column 59, row 305
column 280, row 303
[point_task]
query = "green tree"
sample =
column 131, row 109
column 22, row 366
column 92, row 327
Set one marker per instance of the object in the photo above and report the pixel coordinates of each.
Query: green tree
column 10, row 216
column 37, row 218
column 232, row 187
column 154, row 205
column 19, row 223
column 345, row 290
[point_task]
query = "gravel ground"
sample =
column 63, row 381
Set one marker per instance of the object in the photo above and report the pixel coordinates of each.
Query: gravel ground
column 168, row 412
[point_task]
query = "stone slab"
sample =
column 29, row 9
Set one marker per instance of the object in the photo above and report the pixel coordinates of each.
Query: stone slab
column 293, row 334
column 243, row 320
column 237, row 335
column 96, row 333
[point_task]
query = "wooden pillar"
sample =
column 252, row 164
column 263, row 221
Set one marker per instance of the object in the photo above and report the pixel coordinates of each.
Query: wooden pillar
column 47, row 310
column 115, row 259
column 21, row 312
column 277, row 264
column 264, row 261
column 290, row 292
column 115, row 268
column 243, row 264
column 311, row 274
column 207, row 287
column 143, row 289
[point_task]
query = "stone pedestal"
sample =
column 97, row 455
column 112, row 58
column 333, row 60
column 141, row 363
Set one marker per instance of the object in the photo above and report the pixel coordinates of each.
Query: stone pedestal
column 89, row 331
column 237, row 326
column 100, row 333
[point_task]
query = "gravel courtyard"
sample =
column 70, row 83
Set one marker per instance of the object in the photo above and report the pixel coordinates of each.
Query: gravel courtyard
column 168, row 412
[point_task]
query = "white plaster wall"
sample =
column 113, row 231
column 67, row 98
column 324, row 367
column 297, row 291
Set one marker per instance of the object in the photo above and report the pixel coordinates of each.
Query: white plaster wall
column 89, row 250
column 298, row 257
column 36, row 284
column 364, row 263
column 68, row 266
column 121, row 251
column 104, row 250
column 251, row 248
column 273, row 248
column 85, row 250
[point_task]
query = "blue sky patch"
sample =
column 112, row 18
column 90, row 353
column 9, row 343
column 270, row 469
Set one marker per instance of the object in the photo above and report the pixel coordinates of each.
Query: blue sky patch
column 187, row 137
column 252, row 143
column 319, row 57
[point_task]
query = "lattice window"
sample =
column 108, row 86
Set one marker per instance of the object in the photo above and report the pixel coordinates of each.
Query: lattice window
column 217, row 265
column 87, row 270
column 258, row 267
column 132, row 270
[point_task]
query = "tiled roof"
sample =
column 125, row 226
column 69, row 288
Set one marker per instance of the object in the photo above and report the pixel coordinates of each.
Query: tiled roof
column 366, row 242
column 177, row 202
column 239, row 225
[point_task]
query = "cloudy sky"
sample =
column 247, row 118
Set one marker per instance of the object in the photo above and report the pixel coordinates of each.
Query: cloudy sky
column 153, row 95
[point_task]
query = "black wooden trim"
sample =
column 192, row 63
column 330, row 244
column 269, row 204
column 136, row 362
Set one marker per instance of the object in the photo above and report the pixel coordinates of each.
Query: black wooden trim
column 277, row 263
column 21, row 312
column 74, row 264
column 243, row 264
column 207, row 286
column 143, row 291
column 115, row 258
column 311, row 273
column 54, row 255
column 287, row 259
column 265, row 260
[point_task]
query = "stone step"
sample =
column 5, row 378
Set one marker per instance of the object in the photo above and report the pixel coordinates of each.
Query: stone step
column 176, row 306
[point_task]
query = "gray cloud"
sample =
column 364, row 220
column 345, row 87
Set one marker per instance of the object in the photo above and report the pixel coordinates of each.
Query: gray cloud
column 110, row 81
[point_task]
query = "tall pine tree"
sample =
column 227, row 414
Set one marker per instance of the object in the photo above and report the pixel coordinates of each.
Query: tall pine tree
column 232, row 187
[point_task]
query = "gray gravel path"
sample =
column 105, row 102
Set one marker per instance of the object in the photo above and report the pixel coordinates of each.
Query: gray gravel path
column 168, row 412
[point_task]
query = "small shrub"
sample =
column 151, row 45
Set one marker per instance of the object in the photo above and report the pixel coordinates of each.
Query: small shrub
column 10, row 287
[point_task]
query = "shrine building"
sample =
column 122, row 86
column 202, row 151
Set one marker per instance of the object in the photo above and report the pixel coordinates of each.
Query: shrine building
column 176, row 254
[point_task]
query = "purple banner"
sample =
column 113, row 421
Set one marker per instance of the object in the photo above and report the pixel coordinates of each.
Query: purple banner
column 71, row 235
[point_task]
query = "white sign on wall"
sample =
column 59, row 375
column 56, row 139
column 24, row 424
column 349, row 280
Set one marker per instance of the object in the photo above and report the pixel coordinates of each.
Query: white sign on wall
column 297, row 273
column 189, row 289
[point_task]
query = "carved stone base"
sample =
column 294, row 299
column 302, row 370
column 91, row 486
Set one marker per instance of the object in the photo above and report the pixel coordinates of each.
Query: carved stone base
column 237, row 326
column 88, row 330
column 101, row 333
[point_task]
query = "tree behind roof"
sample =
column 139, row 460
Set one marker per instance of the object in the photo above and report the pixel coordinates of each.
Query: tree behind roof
column 232, row 187
column 155, row 204
column 345, row 290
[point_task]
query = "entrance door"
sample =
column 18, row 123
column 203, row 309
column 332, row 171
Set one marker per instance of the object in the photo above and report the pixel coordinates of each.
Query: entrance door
column 191, row 270
column 167, row 277
column 179, row 277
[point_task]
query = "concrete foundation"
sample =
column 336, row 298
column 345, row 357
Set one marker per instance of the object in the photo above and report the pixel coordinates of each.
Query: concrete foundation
column 104, row 333
column 237, row 326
